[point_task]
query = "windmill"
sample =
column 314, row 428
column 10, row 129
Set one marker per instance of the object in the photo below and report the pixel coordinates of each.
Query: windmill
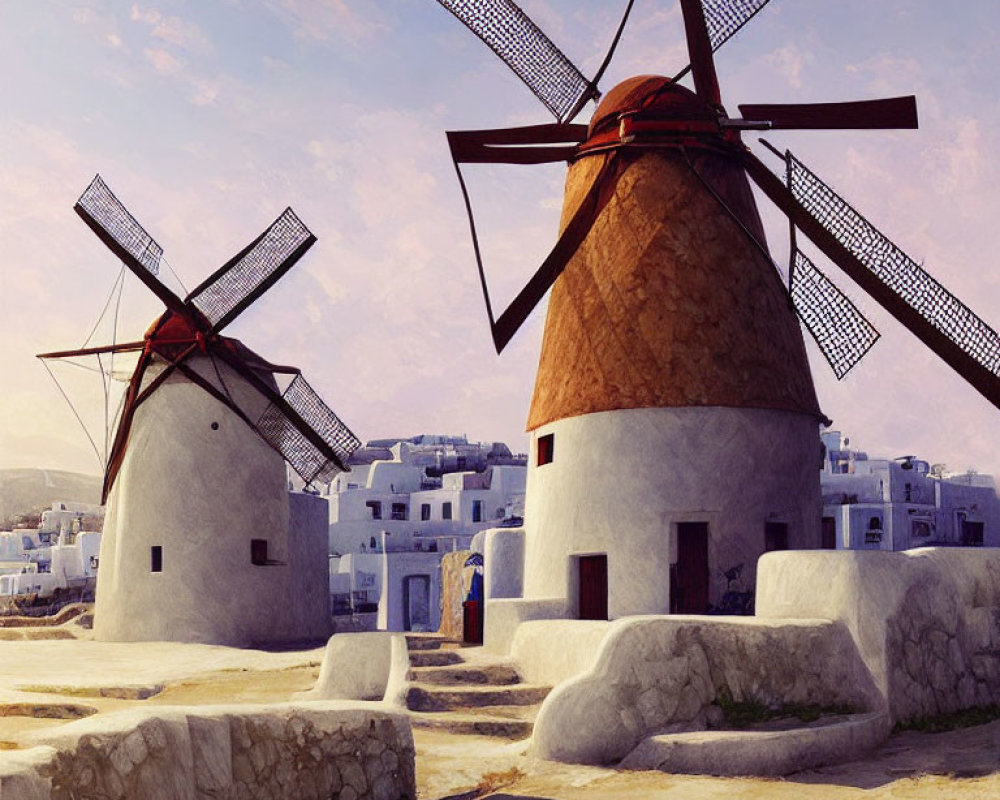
column 202, row 540
column 671, row 356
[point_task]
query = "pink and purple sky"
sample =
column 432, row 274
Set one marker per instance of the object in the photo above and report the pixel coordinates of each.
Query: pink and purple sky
column 208, row 118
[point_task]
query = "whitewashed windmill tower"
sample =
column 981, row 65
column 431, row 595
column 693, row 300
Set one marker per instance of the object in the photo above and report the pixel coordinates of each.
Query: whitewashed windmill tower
column 674, row 421
column 202, row 539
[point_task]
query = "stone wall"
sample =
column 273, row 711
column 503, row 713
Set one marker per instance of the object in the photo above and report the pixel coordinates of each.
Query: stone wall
column 662, row 674
column 349, row 751
column 926, row 622
column 455, row 581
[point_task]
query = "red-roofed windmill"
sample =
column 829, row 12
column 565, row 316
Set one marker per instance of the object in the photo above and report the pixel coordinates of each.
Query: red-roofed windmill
column 202, row 541
column 674, row 417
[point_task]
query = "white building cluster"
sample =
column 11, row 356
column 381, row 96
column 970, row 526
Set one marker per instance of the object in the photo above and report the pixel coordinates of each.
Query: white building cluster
column 59, row 554
column 901, row 503
column 396, row 513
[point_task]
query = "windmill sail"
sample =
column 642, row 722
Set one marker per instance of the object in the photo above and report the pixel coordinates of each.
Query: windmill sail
column 124, row 236
column 932, row 313
column 725, row 18
column 839, row 328
column 248, row 274
column 529, row 53
column 280, row 430
column 895, row 268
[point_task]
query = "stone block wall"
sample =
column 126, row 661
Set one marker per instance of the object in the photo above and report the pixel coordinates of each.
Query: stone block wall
column 307, row 750
column 926, row 622
column 661, row 674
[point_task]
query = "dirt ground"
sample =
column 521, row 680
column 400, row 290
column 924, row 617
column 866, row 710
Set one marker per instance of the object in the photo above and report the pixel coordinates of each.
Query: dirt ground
column 959, row 764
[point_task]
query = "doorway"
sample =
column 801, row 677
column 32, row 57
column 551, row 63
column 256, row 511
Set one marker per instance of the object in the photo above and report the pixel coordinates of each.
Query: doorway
column 828, row 533
column 593, row 574
column 689, row 575
column 416, row 603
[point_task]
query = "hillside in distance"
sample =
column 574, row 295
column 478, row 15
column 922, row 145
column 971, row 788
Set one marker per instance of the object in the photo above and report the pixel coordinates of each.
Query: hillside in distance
column 31, row 491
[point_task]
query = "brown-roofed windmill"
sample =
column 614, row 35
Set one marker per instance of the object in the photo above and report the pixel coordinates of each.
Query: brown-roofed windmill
column 666, row 306
column 202, row 540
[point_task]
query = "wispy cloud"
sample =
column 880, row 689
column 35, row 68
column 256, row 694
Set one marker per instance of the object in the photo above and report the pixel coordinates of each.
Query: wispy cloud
column 321, row 20
column 171, row 30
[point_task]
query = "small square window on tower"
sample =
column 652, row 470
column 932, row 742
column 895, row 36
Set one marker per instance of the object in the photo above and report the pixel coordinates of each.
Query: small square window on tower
column 545, row 449
column 258, row 552
column 156, row 558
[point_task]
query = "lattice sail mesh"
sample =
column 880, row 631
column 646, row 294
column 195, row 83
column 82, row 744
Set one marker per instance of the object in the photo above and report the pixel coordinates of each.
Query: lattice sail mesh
column 894, row 268
column 282, row 434
column 107, row 211
column 522, row 46
column 839, row 328
column 265, row 258
column 725, row 17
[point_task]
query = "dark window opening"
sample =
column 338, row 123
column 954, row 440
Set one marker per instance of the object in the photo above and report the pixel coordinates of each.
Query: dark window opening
column 258, row 552
column 425, row 511
column 156, row 558
column 546, row 448
column 775, row 536
column 399, row 511
column 477, row 510
column 908, row 491
column 972, row 534
column 446, row 511
column 376, row 508
column 373, row 544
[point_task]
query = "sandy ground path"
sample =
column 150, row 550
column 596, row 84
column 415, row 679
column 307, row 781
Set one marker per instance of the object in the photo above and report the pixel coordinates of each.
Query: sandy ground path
column 960, row 764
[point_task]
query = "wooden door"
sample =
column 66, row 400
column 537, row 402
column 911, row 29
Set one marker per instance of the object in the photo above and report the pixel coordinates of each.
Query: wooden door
column 593, row 587
column 689, row 576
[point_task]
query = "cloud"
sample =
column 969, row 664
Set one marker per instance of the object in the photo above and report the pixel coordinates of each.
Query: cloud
column 171, row 30
column 790, row 62
column 162, row 61
column 322, row 20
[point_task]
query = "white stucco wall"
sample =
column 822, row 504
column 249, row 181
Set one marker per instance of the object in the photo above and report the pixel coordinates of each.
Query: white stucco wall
column 201, row 494
column 396, row 569
column 503, row 562
column 620, row 482
column 925, row 621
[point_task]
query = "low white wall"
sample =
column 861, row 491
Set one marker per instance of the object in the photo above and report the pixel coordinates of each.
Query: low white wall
column 503, row 572
column 285, row 750
column 927, row 622
column 356, row 666
column 504, row 615
column 659, row 673
column 548, row 652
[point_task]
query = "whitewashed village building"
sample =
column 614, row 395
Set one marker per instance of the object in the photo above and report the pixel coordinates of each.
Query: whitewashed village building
column 403, row 505
column 59, row 554
column 902, row 503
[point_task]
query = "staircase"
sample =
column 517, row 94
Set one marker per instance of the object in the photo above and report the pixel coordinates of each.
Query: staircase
column 458, row 689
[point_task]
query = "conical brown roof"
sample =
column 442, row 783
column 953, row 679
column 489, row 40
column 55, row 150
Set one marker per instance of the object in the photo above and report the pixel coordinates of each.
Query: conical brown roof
column 669, row 302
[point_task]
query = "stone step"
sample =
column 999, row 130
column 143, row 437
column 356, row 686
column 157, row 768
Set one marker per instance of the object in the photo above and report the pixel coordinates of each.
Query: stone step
column 493, row 674
column 434, row 658
column 428, row 697
column 418, row 641
column 473, row 724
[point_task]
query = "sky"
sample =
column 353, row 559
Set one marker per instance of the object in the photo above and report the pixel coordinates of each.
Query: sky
column 209, row 117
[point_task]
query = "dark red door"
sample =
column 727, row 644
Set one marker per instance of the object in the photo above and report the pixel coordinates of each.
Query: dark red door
column 594, row 587
column 689, row 576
